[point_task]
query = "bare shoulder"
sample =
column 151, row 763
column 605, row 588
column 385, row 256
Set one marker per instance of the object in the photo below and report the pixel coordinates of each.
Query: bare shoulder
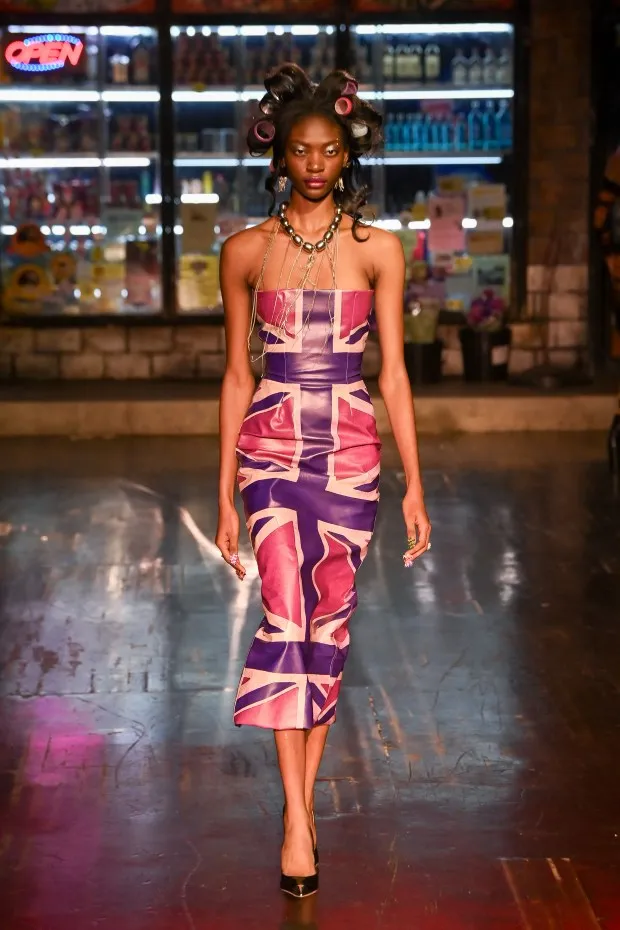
column 241, row 250
column 384, row 243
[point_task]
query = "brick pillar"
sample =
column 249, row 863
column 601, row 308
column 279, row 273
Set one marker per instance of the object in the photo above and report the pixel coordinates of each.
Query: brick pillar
column 559, row 155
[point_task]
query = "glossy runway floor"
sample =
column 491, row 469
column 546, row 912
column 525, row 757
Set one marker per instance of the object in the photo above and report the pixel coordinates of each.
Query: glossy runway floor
column 471, row 780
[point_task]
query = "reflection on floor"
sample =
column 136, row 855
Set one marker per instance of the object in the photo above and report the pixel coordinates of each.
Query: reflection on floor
column 471, row 780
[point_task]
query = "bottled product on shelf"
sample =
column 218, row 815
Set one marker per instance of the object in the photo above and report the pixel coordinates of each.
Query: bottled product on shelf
column 474, row 128
column 131, row 133
column 204, row 60
column 459, row 69
column 432, row 63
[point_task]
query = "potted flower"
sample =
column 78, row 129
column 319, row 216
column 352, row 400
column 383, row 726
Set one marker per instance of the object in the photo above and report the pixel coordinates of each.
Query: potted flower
column 485, row 341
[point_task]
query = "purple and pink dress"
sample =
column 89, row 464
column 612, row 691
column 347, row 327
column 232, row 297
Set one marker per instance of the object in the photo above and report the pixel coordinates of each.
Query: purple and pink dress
column 308, row 455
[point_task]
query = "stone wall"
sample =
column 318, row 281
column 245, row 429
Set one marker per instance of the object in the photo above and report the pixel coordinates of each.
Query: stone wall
column 112, row 352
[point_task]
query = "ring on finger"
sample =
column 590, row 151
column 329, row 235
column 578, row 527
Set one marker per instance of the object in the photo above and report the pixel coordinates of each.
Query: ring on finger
column 234, row 558
column 428, row 547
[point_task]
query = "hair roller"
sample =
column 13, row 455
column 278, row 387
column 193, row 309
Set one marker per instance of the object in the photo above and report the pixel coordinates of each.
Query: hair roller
column 264, row 131
column 267, row 106
column 350, row 88
column 343, row 106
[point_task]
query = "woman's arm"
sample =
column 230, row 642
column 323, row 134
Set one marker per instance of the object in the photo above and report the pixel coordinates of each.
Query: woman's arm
column 236, row 393
column 389, row 266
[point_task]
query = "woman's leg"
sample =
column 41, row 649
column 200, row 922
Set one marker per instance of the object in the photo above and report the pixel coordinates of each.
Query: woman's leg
column 297, row 854
column 315, row 744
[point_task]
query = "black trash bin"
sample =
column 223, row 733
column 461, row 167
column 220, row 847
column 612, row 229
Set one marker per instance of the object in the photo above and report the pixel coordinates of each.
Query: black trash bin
column 423, row 361
column 485, row 354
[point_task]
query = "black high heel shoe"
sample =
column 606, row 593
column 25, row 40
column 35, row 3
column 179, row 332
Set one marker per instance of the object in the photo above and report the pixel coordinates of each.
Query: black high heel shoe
column 301, row 886
column 315, row 847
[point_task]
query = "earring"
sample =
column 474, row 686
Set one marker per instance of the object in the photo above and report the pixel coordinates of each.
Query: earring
column 282, row 183
column 340, row 184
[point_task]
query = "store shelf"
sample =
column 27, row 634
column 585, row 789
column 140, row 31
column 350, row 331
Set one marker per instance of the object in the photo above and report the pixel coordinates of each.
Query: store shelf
column 53, row 96
column 447, row 92
column 437, row 158
column 130, row 95
column 433, row 29
column 62, row 162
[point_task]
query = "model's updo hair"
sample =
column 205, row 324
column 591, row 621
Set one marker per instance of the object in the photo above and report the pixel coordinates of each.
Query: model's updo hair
column 290, row 97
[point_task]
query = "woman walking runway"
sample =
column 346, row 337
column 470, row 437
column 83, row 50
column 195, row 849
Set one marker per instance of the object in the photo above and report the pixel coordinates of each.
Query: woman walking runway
column 303, row 445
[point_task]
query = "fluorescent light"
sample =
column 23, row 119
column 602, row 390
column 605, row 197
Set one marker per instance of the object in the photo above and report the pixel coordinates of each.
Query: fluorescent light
column 388, row 224
column 436, row 160
column 248, row 162
column 130, row 96
column 44, row 95
column 206, row 162
column 305, row 30
column 178, row 230
column 58, row 230
column 255, row 94
column 99, row 230
column 125, row 161
column 508, row 222
column 191, row 32
column 205, row 96
column 367, row 30
column 469, row 223
column 142, row 230
column 487, row 93
column 153, row 198
column 125, row 31
column 419, row 224
column 9, row 230
column 206, row 30
column 200, row 198
column 329, row 30
column 430, row 29
column 175, row 32
column 97, row 292
column 56, row 162
column 279, row 30
column 253, row 30
column 227, row 30
column 79, row 230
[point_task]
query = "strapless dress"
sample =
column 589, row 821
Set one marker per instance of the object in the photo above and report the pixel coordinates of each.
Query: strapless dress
column 309, row 458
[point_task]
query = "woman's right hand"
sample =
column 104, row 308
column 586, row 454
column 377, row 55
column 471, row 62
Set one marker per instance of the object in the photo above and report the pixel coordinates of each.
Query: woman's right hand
column 227, row 538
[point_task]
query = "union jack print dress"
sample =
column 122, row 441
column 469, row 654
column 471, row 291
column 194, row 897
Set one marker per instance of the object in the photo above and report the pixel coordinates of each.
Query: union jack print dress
column 309, row 459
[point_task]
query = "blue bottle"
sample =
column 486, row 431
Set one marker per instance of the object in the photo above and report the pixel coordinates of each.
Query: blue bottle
column 390, row 133
column 418, row 133
column 474, row 127
column 445, row 135
column 460, row 133
column 408, row 133
column 503, row 126
column 399, row 133
column 489, row 139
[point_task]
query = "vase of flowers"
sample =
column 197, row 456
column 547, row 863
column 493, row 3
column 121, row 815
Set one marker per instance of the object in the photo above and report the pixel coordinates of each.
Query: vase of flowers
column 485, row 341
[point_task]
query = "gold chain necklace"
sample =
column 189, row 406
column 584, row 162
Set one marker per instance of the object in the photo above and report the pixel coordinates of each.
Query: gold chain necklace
column 310, row 247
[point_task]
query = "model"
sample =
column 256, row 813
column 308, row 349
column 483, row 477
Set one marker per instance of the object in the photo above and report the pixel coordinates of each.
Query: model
column 303, row 445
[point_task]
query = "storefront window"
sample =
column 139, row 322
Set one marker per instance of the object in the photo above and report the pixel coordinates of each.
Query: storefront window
column 79, row 171
column 443, row 181
column 218, row 79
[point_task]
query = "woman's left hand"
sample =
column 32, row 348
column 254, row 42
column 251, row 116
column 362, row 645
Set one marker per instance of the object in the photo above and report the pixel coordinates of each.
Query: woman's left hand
column 418, row 527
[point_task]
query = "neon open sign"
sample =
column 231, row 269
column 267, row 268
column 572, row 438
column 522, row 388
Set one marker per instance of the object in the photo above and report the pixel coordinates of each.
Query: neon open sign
column 45, row 52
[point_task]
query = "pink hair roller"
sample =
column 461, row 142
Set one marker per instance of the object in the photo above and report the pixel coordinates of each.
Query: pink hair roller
column 350, row 89
column 264, row 130
column 343, row 106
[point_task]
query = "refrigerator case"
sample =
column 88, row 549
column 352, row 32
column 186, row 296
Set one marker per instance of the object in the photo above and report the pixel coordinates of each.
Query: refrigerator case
column 218, row 75
column 79, row 169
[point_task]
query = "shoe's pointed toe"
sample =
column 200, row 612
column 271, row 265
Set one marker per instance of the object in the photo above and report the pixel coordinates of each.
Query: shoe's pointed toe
column 299, row 886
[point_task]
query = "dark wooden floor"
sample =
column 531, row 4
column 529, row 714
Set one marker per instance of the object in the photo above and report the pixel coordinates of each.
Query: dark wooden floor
column 471, row 780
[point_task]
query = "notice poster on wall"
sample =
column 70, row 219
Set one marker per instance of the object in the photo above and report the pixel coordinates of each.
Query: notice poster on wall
column 288, row 8
column 30, row 7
